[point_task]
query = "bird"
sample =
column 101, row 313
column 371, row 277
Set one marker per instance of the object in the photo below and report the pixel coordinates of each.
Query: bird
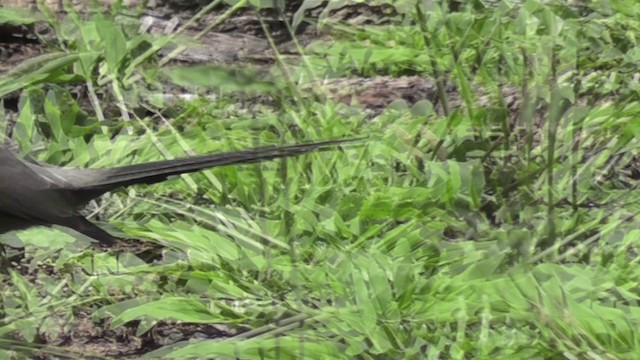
column 34, row 194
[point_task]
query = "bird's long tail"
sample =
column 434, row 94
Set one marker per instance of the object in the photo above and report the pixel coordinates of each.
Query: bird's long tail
column 153, row 172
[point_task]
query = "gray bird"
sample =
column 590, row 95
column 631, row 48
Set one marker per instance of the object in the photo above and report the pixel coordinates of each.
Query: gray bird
column 32, row 194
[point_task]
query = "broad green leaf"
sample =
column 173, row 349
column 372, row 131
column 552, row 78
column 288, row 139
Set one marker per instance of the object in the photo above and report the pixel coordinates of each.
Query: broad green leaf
column 219, row 77
column 18, row 16
column 170, row 308
column 35, row 70
column 115, row 44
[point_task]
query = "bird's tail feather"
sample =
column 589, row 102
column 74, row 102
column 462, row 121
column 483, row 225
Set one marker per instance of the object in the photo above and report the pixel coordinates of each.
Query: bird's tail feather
column 158, row 171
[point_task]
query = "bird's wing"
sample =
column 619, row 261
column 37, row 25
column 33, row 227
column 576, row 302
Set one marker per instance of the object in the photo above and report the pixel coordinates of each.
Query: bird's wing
column 26, row 194
column 34, row 194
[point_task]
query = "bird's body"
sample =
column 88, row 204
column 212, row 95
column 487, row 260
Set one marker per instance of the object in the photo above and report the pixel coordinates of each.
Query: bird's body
column 31, row 194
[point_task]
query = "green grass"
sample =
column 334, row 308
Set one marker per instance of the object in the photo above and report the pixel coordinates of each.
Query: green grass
column 480, row 229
